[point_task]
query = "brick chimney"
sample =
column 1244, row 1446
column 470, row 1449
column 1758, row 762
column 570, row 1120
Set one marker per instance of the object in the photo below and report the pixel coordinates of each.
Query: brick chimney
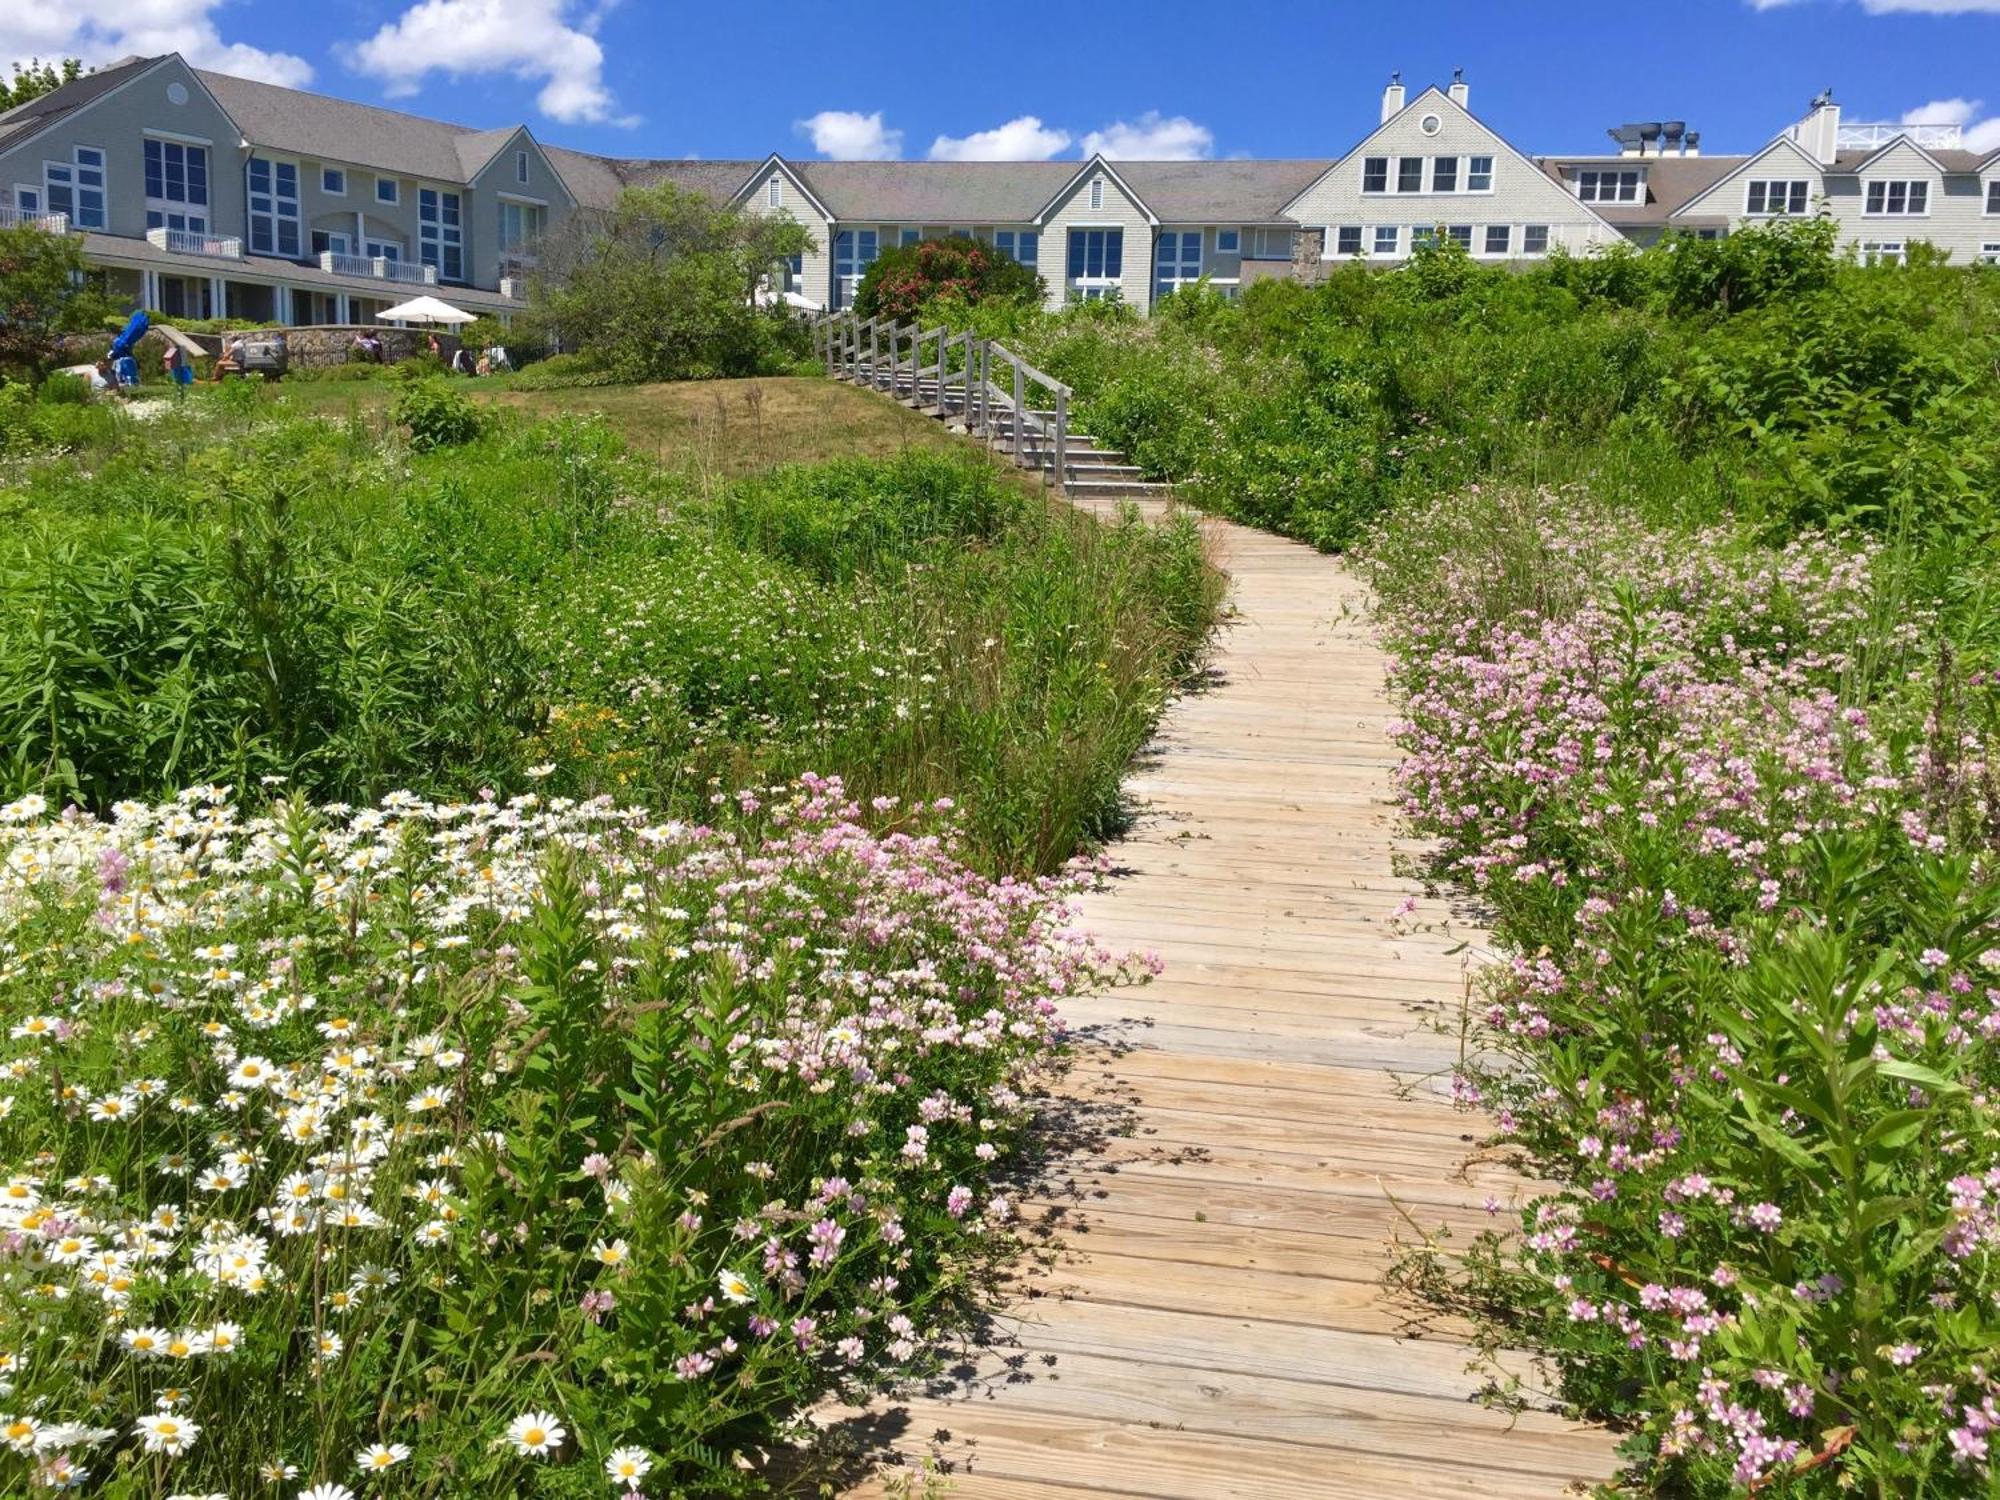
column 1392, row 98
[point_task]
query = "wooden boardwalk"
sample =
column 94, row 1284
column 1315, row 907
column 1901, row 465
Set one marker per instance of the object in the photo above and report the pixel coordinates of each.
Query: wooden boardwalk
column 1214, row 1323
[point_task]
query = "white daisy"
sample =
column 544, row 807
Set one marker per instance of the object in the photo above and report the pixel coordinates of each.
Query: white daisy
column 535, row 1434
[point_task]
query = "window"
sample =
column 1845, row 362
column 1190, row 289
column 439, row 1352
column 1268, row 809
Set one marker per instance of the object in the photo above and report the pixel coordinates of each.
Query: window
column 1096, row 254
column 1271, row 244
column 1230, row 241
column 1993, row 196
column 1347, row 240
column 520, row 225
column 388, row 190
column 1096, row 193
column 441, row 233
column 774, row 192
column 1535, row 239
column 1898, row 197
column 1444, row 174
column 911, row 236
column 1499, row 238
column 854, row 251
column 1608, row 186
column 27, row 199
column 176, row 186
column 1422, row 235
column 274, row 206
column 1177, row 261
column 324, row 240
column 76, row 187
column 1460, row 235
column 1387, row 238
column 521, row 166
column 1410, row 174
column 1479, row 174
column 1883, row 252
column 1375, row 174
column 1022, row 246
column 333, row 182
column 1989, row 253
column 1786, row 197
column 389, row 250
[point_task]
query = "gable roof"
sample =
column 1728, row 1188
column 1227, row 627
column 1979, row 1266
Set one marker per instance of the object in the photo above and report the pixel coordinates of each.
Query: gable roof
column 933, row 192
column 1099, row 162
column 37, row 115
column 1741, row 164
column 1947, row 160
column 1226, row 192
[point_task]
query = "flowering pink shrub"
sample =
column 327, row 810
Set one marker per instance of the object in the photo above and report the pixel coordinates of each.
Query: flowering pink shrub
column 513, row 1147
column 1737, row 830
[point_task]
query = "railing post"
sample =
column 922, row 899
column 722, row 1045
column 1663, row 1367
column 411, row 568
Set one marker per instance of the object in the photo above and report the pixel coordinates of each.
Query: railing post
column 874, row 348
column 1062, row 440
column 1020, row 417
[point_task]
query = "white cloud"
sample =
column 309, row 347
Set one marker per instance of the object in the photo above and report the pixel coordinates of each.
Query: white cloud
column 1025, row 138
column 1152, row 138
column 529, row 39
column 1980, row 134
column 110, row 29
column 849, row 135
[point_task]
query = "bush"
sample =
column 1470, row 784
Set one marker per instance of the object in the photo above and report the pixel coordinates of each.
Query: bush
column 904, row 278
column 561, row 372
column 436, row 415
column 64, row 389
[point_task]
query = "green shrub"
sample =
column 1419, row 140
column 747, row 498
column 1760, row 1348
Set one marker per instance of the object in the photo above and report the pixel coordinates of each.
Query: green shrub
column 64, row 389
column 436, row 415
column 561, row 372
column 904, row 278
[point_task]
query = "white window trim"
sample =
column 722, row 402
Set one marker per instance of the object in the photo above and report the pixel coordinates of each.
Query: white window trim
column 327, row 192
column 175, row 135
column 521, row 172
column 1097, row 195
column 522, row 198
column 1989, row 253
column 1388, row 175
column 1330, row 241
column 1232, row 249
column 1492, row 173
column 1766, row 211
column 298, row 202
column 1548, row 239
column 1617, row 198
column 1885, row 212
column 34, row 188
column 1374, row 244
column 1992, row 191
column 1479, row 233
column 395, row 186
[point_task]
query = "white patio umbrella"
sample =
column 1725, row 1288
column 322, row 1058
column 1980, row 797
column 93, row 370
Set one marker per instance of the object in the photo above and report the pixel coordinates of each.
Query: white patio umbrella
column 424, row 310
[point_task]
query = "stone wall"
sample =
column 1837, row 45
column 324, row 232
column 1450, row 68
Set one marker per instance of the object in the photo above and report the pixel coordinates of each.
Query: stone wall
column 1308, row 250
column 307, row 348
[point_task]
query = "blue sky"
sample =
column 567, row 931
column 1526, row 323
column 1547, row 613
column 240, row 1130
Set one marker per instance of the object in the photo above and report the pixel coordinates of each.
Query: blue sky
column 1031, row 78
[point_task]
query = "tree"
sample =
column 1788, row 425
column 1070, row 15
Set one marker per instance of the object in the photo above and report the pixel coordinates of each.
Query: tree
column 37, row 78
column 43, row 294
column 904, row 278
column 663, row 287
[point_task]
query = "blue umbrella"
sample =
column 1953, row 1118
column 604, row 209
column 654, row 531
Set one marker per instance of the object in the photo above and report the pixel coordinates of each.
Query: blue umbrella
column 134, row 330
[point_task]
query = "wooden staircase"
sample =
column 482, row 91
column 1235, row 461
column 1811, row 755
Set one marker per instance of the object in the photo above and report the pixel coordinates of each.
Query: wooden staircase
column 981, row 388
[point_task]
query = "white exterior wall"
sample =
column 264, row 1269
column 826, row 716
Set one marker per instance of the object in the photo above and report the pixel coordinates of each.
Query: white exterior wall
column 816, row 266
column 1119, row 211
column 1522, row 193
column 1954, row 220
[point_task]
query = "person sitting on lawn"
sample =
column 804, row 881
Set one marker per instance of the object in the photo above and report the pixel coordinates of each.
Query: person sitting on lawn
column 230, row 362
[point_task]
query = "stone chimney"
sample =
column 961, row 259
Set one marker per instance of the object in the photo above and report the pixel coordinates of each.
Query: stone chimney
column 1460, row 90
column 1819, row 132
column 1392, row 98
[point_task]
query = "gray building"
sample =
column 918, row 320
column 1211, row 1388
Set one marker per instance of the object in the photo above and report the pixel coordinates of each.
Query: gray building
column 203, row 195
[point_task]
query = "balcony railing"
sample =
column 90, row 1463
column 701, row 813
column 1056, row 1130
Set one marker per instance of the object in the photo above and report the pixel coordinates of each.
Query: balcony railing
column 192, row 242
column 377, row 268
column 514, row 288
column 1869, row 136
column 27, row 218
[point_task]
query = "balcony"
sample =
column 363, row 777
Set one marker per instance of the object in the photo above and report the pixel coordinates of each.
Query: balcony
column 192, row 242
column 377, row 268
column 514, row 288
column 24, row 218
column 1872, row 136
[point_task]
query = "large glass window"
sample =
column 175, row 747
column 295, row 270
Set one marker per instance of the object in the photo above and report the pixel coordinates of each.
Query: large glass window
column 1479, row 174
column 274, row 206
column 441, row 233
column 176, row 186
column 1444, row 174
column 520, row 225
column 76, row 187
column 1375, row 174
column 1787, row 197
column 1022, row 245
column 1177, row 262
column 1898, row 197
column 1410, row 174
column 854, row 251
column 1096, row 260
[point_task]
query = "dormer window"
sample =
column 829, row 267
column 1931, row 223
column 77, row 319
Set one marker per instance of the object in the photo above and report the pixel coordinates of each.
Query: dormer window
column 1096, row 193
column 1898, row 197
column 1609, row 185
column 1772, row 199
